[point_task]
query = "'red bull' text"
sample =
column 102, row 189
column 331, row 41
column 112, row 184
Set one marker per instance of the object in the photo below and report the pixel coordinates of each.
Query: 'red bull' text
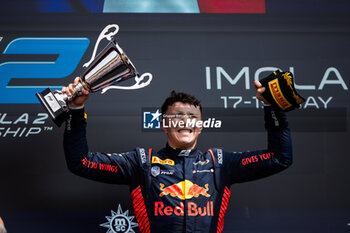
column 192, row 209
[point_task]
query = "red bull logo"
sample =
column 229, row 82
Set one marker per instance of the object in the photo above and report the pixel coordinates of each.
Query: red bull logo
column 184, row 190
column 192, row 209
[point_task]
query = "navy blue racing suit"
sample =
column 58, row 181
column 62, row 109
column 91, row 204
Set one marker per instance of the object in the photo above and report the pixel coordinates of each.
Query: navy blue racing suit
column 176, row 190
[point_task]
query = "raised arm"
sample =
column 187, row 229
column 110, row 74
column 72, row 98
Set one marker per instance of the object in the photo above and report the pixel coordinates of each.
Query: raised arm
column 252, row 165
column 246, row 166
column 104, row 167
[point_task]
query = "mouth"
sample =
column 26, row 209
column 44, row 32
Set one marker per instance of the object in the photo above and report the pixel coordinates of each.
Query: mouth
column 184, row 130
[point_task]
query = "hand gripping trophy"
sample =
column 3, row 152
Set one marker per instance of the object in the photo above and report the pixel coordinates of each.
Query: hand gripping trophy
column 109, row 67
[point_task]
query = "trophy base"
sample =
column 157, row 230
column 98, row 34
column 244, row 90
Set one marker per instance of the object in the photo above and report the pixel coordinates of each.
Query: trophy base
column 54, row 105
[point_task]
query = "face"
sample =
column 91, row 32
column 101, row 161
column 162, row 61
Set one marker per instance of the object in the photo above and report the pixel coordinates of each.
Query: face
column 176, row 124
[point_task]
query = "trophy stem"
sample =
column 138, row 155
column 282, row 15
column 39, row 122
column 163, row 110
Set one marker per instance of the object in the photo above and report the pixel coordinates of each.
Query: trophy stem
column 77, row 92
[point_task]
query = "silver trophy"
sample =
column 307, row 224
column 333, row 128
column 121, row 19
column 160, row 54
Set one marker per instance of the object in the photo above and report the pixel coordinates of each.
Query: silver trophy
column 110, row 66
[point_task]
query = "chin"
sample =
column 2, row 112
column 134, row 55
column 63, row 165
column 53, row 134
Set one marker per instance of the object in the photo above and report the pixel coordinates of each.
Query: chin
column 186, row 144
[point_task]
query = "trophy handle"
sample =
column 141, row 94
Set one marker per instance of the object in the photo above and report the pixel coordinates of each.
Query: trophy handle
column 137, row 85
column 103, row 35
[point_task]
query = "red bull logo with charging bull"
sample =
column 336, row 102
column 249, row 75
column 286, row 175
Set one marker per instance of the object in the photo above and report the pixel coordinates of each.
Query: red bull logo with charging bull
column 184, row 190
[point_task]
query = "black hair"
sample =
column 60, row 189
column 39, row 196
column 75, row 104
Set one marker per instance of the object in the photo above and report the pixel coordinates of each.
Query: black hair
column 180, row 97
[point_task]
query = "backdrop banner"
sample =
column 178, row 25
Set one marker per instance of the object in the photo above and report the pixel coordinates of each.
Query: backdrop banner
column 212, row 54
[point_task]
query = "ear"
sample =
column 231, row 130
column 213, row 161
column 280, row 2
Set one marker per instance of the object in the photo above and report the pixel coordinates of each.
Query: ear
column 165, row 129
column 199, row 130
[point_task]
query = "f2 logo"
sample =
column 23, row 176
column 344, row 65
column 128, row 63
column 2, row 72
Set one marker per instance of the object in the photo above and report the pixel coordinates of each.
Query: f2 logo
column 69, row 50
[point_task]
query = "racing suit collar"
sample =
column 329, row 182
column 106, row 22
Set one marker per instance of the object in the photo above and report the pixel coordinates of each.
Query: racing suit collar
column 180, row 152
